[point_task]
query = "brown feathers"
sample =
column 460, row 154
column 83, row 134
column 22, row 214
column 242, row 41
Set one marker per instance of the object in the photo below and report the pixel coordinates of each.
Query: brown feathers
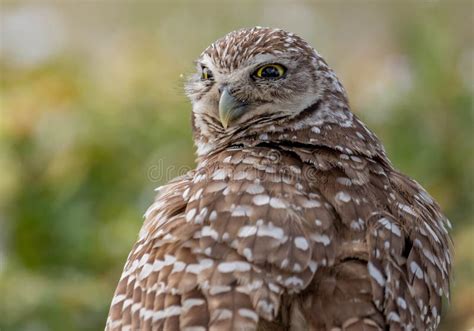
column 289, row 222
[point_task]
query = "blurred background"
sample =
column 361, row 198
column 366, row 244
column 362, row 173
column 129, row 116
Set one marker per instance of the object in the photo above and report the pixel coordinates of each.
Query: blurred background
column 93, row 117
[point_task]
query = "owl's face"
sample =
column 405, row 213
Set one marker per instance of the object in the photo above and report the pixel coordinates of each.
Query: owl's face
column 255, row 76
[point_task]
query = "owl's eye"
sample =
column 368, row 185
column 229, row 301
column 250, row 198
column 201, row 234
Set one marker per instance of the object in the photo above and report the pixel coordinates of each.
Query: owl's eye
column 206, row 74
column 270, row 71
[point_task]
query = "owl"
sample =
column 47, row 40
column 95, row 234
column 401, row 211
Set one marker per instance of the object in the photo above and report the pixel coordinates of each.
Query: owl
column 294, row 218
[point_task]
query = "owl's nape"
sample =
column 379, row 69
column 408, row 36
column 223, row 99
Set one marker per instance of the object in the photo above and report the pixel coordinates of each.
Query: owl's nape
column 294, row 218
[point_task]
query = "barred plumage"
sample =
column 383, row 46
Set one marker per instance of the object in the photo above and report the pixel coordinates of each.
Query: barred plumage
column 294, row 218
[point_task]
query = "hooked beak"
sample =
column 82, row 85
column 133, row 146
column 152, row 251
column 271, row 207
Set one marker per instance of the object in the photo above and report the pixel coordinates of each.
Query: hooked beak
column 229, row 108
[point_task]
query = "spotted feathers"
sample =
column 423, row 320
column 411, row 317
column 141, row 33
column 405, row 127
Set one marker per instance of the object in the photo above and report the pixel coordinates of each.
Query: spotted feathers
column 292, row 220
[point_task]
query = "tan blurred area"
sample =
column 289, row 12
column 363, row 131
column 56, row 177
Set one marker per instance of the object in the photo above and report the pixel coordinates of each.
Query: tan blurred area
column 93, row 117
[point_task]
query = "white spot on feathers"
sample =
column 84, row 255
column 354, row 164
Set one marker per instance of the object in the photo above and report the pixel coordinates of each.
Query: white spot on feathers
column 293, row 281
column 393, row 316
column 242, row 211
column 255, row 189
column 239, row 266
column 190, row 214
column 321, row 238
column 219, row 174
column 376, row 274
column 167, row 312
column 213, row 216
column 247, row 252
column 247, row 231
column 269, row 230
column 250, row 314
column 189, row 303
column 221, row 314
column 342, row 196
column 390, row 226
column 401, row 303
column 207, row 231
column 218, row 289
column 261, row 199
column 407, row 209
column 344, row 181
column 194, row 328
column 301, row 243
column 311, row 204
column 416, row 269
column 277, row 203
column 118, row 298
column 146, row 271
column 357, row 225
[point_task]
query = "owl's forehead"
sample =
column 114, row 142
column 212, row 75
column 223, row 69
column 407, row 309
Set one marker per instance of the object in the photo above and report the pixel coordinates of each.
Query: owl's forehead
column 241, row 46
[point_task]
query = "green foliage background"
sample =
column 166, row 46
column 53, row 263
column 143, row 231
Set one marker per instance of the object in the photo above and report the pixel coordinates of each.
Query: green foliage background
column 93, row 117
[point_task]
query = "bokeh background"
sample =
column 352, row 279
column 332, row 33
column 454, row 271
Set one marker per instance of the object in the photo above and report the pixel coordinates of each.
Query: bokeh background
column 93, row 117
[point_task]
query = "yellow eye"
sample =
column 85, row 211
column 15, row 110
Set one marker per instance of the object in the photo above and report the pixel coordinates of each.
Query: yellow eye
column 270, row 71
column 206, row 74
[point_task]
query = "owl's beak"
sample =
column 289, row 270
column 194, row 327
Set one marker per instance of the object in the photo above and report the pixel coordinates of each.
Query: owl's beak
column 229, row 108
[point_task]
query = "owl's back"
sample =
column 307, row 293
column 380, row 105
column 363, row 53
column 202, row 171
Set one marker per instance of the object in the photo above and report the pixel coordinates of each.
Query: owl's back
column 289, row 237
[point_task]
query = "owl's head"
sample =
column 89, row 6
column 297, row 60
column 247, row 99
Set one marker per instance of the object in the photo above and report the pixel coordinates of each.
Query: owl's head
column 253, row 78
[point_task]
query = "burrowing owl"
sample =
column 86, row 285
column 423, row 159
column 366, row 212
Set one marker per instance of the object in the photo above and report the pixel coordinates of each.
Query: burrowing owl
column 294, row 218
